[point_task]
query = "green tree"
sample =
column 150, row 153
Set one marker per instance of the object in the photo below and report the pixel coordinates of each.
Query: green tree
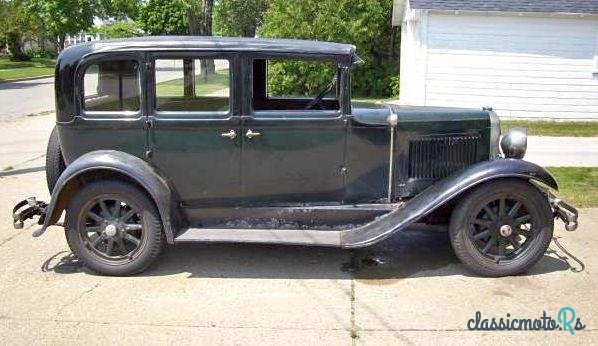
column 239, row 17
column 163, row 17
column 120, row 9
column 365, row 23
column 119, row 29
column 16, row 26
column 64, row 17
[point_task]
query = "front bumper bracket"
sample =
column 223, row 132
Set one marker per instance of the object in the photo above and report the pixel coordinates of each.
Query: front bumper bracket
column 564, row 211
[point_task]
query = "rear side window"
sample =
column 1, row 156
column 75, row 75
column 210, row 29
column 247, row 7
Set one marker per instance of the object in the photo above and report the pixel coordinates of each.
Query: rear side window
column 112, row 86
column 192, row 85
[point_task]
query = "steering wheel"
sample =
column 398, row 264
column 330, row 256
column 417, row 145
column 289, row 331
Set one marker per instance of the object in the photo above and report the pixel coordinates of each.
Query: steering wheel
column 321, row 95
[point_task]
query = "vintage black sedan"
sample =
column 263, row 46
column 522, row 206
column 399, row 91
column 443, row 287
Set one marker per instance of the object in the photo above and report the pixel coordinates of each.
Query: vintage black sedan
column 170, row 140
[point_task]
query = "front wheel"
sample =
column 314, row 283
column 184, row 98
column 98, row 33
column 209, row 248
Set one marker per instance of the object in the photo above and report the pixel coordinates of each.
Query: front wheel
column 113, row 228
column 501, row 228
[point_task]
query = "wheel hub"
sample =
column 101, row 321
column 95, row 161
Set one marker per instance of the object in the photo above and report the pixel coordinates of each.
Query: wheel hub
column 110, row 230
column 505, row 230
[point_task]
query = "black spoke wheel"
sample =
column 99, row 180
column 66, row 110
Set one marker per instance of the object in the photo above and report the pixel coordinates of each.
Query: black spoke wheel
column 113, row 227
column 501, row 228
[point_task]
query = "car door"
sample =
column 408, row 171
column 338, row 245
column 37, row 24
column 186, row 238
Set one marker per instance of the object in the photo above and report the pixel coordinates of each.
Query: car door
column 291, row 155
column 195, row 128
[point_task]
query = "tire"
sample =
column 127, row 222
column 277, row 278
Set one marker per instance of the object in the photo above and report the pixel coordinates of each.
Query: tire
column 54, row 160
column 515, row 248
column 124, row 216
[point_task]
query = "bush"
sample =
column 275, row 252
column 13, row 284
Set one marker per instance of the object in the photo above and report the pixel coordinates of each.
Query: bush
column 395, row 86
column 41, row 53
column 365, row 23
column 15, row 47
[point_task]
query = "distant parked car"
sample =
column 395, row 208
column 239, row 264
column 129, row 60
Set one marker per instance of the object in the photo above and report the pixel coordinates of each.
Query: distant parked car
column 151, row 147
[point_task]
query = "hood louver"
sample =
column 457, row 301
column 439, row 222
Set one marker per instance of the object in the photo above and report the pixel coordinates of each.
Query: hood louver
column 439, row 156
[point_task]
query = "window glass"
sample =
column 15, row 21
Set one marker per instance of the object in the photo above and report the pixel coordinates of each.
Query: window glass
column 285, row 84
column 197, row 85
column 112, row 86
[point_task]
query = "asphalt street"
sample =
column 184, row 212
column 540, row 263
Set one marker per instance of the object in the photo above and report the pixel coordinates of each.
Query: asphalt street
column 22, row 98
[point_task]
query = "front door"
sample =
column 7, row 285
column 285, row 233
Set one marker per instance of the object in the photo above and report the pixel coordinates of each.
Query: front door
column 293, row 148
column 195, row 129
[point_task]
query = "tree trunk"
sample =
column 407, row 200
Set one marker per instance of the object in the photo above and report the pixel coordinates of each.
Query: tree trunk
column 61, row 42
column 193, row 24
column 249, row 31
column 206, row 20
column 204, row 27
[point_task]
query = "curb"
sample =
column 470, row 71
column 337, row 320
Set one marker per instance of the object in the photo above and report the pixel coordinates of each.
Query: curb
column 25, row 79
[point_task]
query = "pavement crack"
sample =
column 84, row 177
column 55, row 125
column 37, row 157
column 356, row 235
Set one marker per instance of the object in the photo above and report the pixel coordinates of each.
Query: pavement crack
column 77, row 298
column 18, row 233
column 353, row 328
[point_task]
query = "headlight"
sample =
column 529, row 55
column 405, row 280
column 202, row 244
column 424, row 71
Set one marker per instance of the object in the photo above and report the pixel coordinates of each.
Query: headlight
column 494, row 134
column 514, row 143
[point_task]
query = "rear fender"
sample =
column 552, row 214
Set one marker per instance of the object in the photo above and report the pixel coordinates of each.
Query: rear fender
column 441, row 193
column 123, row 164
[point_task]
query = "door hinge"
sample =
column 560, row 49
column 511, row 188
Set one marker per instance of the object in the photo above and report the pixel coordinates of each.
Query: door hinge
column 148, row 154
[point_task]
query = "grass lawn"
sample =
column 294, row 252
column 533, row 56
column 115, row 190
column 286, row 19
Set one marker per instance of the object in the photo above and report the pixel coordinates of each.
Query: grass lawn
column 554, row 128
column 578, row 185
column 372, row 99
column 24, row 69
column 215, row 82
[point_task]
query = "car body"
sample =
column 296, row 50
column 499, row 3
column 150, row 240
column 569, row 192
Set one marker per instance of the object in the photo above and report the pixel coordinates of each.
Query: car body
column 223, row 159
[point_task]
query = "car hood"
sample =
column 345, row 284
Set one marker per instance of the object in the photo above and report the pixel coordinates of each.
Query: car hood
column 377, row 113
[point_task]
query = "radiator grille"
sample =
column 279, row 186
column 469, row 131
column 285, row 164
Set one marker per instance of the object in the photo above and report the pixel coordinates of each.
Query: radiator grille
column 438, row 157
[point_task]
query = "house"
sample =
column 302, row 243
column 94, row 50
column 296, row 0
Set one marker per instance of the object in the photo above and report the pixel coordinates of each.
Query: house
column 524, row 58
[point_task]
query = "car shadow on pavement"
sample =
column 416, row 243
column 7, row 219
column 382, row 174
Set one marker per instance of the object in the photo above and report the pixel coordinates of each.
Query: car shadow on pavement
column 407, row 254
column 11, row 172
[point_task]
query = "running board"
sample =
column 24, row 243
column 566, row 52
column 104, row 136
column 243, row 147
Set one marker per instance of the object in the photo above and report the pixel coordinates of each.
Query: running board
column 262, row 236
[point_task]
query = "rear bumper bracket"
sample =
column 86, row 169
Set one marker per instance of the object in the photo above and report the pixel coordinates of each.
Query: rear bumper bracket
column 28, row 209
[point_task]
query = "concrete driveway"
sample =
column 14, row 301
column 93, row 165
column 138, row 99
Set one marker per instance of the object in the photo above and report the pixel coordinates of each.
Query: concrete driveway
column 409, row 290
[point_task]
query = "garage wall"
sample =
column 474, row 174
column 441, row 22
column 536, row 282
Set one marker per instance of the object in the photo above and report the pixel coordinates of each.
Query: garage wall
column 522, row 66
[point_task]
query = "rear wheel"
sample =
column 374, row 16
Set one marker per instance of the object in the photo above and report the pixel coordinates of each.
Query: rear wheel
column 114, row 228
column 54, row 160
column 501, row 228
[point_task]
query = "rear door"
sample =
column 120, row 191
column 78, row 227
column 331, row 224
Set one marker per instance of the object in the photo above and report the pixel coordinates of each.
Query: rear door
column 195, row 128
column 111, row 111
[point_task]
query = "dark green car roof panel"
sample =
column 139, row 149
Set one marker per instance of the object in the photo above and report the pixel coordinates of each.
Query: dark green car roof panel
column 229, row 44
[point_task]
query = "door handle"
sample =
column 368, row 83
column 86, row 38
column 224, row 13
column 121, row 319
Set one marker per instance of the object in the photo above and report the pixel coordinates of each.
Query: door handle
column 250, row 134
column 230, row 134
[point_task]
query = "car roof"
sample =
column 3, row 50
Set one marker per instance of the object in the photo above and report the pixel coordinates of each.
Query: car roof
column 211, row 43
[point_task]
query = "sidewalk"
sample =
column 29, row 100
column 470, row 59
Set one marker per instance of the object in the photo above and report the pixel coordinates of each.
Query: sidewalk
column 563, row 151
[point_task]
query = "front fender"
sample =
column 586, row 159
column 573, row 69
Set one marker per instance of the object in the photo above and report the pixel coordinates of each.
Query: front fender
column 121, row 163
column 440, row 193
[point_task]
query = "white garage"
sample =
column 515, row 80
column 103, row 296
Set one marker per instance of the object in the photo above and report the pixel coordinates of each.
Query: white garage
column 526, row 59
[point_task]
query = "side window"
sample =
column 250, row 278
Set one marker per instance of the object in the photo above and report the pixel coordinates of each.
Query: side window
column 284, row 84
column 112, row 86
column 192, row 85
